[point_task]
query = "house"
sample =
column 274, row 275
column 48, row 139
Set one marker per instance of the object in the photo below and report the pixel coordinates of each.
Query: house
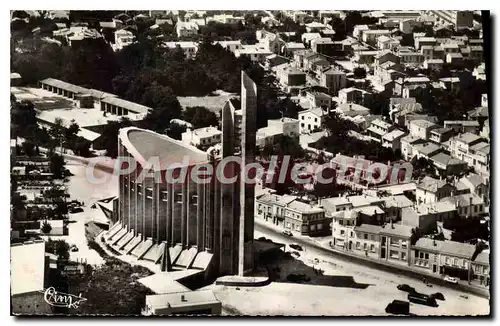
column 319, row 99
column 424, row 41
column 202, row 137
column 354, row 95
column 422, row 128
column 276, row 128
column 481, row 114
column 443, row 257
column 370, row 36
column 401, row 83
column 450, row 83
column 395, row 243
column 256, row 52
column 275, row 60
column 365, row 57
column 268, row 41
column 343, row 226
column 480, row 269
column 410, row 56
column 306, row 38
column 426, row 216
column 434, row 64
column 270, row 21
column 426, row 150
column 447, row 165
column 230, row 45
column 123, row 38
column 468, row 205
column 332, row 79
column 315, row 27
column 317, row 64
column 454, row 58
column 352, row 109
column 385, row 56
column 407, row 143
column 272, row 207
column 476, row 185
column 440, row 135
column 394, row 206
column 392, row 139
column 463, row 126
column 186, row 29
column 311, row 119
column 290, row 77
column 291, row 47
column 366, row 241
column 430, row 190
column 402, row 110
column 307, row 219
column 467, row 147
column 336, row 204
column 387, row 43
column 379, row 128
column 323, row 45
column 189, row 48
column 359, row 30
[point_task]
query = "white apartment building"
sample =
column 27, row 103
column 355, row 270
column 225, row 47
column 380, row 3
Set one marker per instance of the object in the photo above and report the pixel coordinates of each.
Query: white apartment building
column 186, row 29
column 204, row 137
column 123, row 38
column 189, row 48
column 311, row 119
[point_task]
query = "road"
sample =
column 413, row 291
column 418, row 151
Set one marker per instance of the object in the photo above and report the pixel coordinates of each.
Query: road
column 351, row 263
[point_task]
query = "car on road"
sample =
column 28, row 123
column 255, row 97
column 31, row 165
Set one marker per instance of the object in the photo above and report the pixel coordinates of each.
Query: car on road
column 287, row 233
column 422, row 299
column 398, row 307
column 450, row 279
column 438, row 296
column 76, row 210
column 74, row 248
column 406, row 288
column 296, row 247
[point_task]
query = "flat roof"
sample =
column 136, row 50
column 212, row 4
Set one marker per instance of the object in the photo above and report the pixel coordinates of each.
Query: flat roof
column 163, row 283
column 144, row 144
column 181, row 299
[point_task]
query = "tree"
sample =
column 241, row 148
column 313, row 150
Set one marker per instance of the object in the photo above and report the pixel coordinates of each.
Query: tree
column 58, row 247
column 57, row 166
column 109, row 136
column 46, row 228
column 200, row 117
column 28, row 148
column 175, row 131
column 359, row 73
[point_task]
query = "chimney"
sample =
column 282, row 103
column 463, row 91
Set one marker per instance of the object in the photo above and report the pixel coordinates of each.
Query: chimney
column 392, row 226
column 434, row 242
column 470, row 201
column 183, row 298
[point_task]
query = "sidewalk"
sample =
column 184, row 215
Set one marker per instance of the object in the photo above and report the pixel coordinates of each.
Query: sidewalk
column 380, row 264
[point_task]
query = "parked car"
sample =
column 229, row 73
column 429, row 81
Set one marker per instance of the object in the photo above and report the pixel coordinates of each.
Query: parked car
column 296, row 247
column 398, row 307
column 406, row 288
column 295, row 254
column 423, row 299
column 76, row 210
column 287, row 233
column 438, row 296
column 74, row 248
column 450, row 279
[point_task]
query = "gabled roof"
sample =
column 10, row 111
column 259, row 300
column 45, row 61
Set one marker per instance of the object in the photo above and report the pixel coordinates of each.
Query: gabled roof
column 397, row 230
column 451, row 248
column 430, row 184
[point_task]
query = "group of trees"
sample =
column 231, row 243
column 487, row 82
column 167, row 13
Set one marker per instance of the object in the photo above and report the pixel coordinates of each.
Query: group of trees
column 338, row 140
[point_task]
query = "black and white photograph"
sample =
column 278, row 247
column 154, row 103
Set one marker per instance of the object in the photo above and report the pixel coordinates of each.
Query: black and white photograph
column 250, row 162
